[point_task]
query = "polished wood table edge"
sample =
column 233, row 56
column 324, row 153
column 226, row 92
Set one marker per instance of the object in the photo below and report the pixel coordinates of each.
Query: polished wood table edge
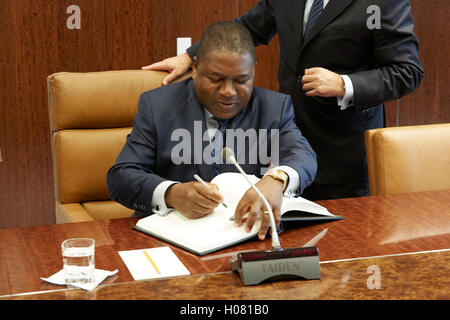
column 385, row 256
column 346, row 279
column 103, row 285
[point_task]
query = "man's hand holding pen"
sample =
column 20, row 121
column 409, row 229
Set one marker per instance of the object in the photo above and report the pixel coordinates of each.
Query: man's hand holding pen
column 193, row 199
column 198, row 199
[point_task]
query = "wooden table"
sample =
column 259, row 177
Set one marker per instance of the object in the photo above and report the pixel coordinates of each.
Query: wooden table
column 404, row 239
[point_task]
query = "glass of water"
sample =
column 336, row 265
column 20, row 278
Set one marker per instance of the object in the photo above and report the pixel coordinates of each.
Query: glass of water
column 78, row 260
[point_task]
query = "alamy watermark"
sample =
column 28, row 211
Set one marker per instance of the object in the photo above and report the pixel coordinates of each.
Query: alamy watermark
column 251, row 146
column 374, row 20
column 374, row 281
column 74, row 20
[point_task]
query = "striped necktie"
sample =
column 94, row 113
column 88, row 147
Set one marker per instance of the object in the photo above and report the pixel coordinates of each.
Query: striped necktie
column 314, row 14
column 222, row 128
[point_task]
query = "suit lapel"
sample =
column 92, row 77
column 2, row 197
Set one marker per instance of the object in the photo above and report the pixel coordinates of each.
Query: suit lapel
column 297, row 10
column 333, row 9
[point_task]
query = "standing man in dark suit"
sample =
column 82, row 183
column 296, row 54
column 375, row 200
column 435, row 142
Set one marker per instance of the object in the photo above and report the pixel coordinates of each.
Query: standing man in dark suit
column 340, row 60
column 153, row 173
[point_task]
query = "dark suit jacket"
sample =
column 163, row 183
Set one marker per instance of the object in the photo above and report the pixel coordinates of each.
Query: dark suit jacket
column 382, row 64
column 146, row 159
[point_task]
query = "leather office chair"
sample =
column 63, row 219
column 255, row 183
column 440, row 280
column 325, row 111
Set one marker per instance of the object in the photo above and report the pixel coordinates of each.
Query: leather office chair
column 90, row 116
column 408, row 159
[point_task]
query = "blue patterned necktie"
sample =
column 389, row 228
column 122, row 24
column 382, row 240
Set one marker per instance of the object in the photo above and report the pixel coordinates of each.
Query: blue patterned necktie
column 314, row 14
column 222, row 128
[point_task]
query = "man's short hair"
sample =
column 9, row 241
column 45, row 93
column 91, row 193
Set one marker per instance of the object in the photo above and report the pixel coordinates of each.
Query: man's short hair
column 226, row 36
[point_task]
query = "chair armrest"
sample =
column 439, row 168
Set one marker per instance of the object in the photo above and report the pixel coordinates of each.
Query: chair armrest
column 71, row 212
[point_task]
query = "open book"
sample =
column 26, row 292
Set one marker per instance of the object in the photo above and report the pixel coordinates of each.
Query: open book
column 216, row 231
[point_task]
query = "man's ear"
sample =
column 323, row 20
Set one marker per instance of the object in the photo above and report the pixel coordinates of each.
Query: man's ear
column 194, row 66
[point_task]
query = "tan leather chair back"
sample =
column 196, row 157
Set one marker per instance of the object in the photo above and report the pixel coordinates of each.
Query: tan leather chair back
column 90, row 116
column 408, row 159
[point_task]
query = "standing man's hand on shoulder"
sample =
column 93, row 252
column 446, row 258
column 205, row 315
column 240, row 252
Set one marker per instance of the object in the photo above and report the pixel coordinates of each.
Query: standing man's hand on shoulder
column 176, row 66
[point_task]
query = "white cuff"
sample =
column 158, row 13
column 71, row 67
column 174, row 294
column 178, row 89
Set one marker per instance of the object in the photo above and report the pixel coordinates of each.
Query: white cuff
column 158, row 203
column 294, row 180
column 347, row 100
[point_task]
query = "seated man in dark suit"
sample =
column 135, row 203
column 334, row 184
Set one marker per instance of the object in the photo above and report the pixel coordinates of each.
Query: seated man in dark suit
column 154, row 171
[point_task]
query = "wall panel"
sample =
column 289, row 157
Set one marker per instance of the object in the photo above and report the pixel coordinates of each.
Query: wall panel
column 85, row 49
column 142, row 32
column 128, row 34
column 431, row 102
column 35, row 42
column 25, row 173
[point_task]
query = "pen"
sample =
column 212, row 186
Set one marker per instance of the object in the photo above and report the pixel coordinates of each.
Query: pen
column 244, row 217
column 204, row 183
column 151, row 261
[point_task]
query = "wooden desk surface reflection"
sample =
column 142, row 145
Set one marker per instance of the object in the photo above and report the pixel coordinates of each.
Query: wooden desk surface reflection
column 372, row 226
column 422, row 276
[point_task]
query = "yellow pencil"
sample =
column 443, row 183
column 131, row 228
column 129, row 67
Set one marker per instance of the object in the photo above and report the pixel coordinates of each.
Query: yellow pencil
column 151, row 261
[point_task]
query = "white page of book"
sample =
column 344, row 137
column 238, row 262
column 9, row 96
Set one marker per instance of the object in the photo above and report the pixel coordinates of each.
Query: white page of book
column 210, row 231
column 233, row 186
